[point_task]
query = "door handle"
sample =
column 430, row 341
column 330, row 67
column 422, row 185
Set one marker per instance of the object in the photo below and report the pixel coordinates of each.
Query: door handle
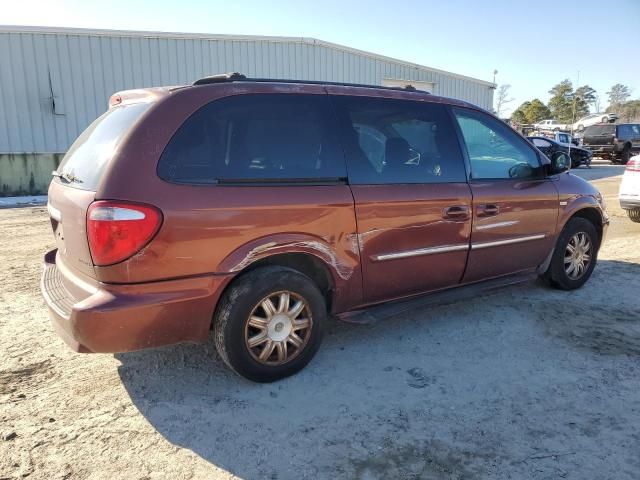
column 456, row 212
column 488, row 210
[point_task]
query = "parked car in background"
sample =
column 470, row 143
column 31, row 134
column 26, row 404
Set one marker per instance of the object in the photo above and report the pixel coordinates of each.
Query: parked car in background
column 579, row 156
column 550, row 125
column 593, row 119
column 563, row 138
column 629, row 195
column 566, row 139
column 257, row 208
column 617, row 142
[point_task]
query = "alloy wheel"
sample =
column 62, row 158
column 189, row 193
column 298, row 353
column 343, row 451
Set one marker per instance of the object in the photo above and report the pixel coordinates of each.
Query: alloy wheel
column 278, row 328
column 577, row 256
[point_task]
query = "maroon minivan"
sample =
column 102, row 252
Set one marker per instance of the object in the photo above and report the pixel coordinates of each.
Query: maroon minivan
column 255, row 208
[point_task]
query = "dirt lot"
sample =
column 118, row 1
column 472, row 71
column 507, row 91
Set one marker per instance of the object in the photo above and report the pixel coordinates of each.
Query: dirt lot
column 524, row 383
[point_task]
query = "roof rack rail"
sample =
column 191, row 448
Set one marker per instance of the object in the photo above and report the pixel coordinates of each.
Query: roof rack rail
column 239, row 77
column 220, row 78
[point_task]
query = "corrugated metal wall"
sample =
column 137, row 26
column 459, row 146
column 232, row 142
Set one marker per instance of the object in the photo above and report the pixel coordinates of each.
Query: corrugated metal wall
column 54, row 83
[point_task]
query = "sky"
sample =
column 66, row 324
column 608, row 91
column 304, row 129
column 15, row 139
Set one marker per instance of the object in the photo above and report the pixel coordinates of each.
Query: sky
column 532, row 45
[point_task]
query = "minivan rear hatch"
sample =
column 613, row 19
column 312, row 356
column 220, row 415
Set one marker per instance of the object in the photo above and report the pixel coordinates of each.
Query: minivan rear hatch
column 76, row 180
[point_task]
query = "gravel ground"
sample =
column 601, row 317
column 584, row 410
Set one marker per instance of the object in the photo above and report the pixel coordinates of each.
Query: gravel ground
column 525, row 382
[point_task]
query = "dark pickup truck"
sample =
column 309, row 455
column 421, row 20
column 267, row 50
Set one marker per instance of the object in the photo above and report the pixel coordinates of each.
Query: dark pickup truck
column 617, row 142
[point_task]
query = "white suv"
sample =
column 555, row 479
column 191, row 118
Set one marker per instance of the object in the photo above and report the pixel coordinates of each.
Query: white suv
column 630, row 189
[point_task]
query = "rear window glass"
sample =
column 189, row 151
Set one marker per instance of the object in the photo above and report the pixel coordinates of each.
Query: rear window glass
column 629, row 131
column 600, row 130
column 90, row 154
column 260, row 137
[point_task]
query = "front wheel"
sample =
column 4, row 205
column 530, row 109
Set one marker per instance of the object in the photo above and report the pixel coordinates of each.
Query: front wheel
column 634, row 215
column 575, row 255
column 625, row 155
column 269, row 323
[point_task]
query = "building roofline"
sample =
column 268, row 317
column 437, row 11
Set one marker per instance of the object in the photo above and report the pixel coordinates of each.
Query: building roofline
column 209, row 36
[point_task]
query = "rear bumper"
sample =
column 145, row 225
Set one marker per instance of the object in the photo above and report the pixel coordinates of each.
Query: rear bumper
column 630, row 203
column 120, row 318
column 600, row 149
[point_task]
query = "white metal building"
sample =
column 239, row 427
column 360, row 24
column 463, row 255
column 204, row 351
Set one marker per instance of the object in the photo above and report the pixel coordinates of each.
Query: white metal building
column 55, row 81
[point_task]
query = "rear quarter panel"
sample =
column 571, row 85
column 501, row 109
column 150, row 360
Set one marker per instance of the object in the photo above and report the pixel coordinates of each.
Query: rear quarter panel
column 221, row 229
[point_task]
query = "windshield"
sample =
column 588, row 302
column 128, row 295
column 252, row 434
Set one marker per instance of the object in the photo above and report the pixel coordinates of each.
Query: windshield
column 89, row 155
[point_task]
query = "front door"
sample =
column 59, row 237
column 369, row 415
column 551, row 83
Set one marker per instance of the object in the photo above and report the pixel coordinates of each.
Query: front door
column 515, row 207
column 412, row 201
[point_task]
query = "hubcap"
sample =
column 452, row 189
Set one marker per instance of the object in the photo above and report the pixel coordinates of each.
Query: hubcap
column 278, row 328
column 577, row 255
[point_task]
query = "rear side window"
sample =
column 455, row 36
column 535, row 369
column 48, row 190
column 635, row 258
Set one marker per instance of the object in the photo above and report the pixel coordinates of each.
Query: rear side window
column 90, row 154
column 600, row 130
column 629, row 131
column 495, row 151
column 261, row 137
column 398, row 141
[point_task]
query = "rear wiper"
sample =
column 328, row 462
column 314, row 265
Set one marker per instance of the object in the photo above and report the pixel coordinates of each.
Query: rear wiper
column 69, row 177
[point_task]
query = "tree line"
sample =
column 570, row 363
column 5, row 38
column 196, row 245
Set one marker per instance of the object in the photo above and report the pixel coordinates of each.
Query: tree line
column 568, row 105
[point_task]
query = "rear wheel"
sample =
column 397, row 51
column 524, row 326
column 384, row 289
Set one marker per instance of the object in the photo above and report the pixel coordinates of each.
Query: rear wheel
column 634, row 215
column 575, row 255
column 269, row 323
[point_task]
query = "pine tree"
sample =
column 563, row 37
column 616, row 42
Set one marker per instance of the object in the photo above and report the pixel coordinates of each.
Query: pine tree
column 561, row 101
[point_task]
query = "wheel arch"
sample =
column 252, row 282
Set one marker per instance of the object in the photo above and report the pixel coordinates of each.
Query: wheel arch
column 335, row 272
column 591, row 214
column 307, row 264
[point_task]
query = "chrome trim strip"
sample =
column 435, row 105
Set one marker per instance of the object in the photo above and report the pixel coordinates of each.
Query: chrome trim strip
column 420, row 251
column 476, row 246
column 54, row 213
column 496, row 225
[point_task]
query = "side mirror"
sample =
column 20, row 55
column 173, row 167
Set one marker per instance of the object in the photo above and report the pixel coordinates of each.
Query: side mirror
column 560, row 162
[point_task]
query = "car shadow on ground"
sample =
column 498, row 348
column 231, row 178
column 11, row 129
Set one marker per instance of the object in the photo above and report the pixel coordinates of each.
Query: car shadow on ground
column 599, row 169
column 436, row 393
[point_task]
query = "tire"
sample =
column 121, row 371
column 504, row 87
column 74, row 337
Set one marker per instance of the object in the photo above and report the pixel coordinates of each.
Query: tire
column 625, row 155
column 559, row 274
column 634, row 215
column 232, row 327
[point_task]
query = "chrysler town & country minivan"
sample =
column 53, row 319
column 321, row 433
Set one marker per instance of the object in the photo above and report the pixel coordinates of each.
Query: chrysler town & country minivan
column 256, row 208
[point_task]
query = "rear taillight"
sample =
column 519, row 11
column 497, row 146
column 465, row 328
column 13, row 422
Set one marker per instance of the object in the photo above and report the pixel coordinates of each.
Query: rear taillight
column 119, row 230
column 633, row 165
